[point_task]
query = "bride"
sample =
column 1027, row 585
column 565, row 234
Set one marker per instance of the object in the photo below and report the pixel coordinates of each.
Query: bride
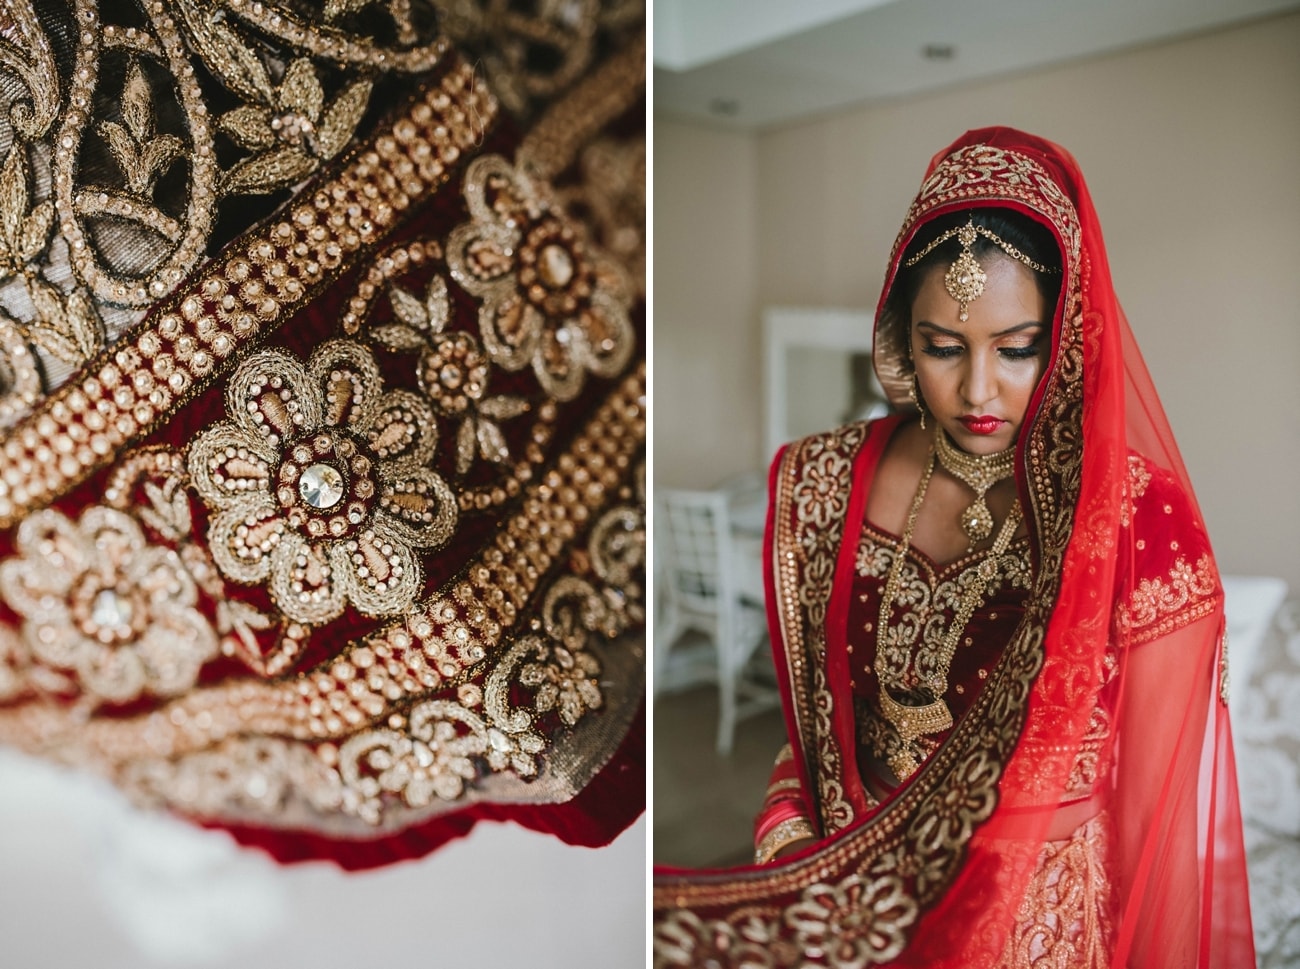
column 998, row 628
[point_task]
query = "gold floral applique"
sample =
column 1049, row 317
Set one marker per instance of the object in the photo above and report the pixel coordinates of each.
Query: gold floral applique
column 453, row 372
column 1158, row 606
column 549, row 299
column 318, row 484
column 100, row 603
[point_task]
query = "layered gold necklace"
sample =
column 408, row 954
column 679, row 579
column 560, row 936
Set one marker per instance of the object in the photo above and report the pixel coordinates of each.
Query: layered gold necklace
column 922, row 710
column 980, row 472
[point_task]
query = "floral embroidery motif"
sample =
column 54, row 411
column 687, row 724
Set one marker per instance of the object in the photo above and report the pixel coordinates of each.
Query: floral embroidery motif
column 565, row 680
column 685, row 940
column 453, row 372
column 611, row 197
column 433, row 758
column 318, row 484
column 290, row 129
column 548, row 298
column 100, row 602
column 1158, row 605
column 854, row 923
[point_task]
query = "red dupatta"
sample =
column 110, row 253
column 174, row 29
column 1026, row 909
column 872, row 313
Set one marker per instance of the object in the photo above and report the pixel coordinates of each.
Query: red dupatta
column 1112, row 682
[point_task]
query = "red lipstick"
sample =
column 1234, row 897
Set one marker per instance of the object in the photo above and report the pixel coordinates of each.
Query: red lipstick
column 984, row 424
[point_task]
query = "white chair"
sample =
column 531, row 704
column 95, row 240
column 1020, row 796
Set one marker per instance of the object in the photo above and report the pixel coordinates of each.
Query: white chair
column 697, row 590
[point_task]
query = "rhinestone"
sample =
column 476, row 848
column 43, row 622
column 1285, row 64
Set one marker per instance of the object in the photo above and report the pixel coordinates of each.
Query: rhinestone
column 110, row 611
column 321, row 486
column 555, row 266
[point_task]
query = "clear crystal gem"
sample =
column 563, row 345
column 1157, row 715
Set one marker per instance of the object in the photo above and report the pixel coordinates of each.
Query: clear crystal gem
column 555, row 266
column 321, row 486
column 110, row 611
column 450, row 376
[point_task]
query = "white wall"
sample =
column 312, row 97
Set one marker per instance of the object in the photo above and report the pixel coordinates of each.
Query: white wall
column 1192, row 153
column 707, row 416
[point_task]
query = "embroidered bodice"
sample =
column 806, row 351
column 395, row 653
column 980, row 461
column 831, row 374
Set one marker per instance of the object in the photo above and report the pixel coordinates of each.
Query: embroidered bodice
column 932, row 594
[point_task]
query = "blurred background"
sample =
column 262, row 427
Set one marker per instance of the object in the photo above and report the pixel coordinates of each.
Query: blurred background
column 789, row 140
column 88, row 880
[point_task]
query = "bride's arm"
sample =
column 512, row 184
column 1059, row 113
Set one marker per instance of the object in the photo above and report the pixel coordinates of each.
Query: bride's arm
column 783, row 826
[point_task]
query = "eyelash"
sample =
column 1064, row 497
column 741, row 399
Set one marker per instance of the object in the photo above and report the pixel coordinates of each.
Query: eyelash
column 1011, row 353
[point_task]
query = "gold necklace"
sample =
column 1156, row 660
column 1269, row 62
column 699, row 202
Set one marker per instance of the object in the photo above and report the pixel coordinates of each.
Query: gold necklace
column 980, row 472
column 912, row 721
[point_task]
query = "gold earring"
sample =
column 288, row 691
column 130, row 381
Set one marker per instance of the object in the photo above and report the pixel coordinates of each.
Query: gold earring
column 914, row 392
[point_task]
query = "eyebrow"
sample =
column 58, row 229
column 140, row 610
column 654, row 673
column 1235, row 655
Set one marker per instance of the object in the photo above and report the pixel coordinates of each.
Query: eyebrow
column 961, row 336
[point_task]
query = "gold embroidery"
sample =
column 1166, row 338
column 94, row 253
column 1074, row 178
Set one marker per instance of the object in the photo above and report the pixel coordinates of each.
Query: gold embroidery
column 318, row 487
column 815, row 482
column 1065, row 918
column 1134, row 487
column 612, row 196
column 130, row 157
column 548, row 299
column 533, row 50
column 460, row 694
column 237, row 300
column 854, row 922
column 453, row 373
column 1159, row 605
column 683, row 940
column 438, row 644
column 932, row 599
column 100, row 603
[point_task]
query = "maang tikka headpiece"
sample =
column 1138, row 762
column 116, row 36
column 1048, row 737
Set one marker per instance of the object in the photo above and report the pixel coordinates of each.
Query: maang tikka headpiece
column 965, row 278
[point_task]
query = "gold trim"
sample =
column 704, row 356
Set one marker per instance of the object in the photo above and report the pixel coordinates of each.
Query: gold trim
column 134, row 387
column 462, row 627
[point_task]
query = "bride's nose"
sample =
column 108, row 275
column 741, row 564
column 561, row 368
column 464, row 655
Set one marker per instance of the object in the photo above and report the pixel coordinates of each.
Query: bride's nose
column 979, row 381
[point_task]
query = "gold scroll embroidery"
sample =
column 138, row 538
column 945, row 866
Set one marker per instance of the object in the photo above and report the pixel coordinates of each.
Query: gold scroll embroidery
column 130, row 390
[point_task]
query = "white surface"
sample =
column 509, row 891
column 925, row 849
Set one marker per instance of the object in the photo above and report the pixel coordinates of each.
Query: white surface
column 1250, row 605
column 88, row 880
column 806, row 65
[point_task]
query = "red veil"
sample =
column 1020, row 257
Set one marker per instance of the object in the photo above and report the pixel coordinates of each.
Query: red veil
column 1111, row 689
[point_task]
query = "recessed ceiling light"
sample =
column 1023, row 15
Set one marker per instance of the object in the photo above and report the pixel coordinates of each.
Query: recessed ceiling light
column 938, row 52
column 726, row 107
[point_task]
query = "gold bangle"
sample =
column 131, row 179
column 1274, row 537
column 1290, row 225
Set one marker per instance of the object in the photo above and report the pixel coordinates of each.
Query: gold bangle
column 785, row 833
column 785, row 784
column 786, row 753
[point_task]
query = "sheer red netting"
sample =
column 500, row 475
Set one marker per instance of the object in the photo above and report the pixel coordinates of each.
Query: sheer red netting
column 1085, row 808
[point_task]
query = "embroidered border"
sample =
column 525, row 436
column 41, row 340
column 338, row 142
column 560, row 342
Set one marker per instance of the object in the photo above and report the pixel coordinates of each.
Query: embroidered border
column 132, row 388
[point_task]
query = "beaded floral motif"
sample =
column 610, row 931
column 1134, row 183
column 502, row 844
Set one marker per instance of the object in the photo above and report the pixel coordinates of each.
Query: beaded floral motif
column 548, row 298
column 453, row 372
column 99, row 602
column 318, row 484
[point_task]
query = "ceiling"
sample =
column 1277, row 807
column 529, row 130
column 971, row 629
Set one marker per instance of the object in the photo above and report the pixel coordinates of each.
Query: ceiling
column 756, row 63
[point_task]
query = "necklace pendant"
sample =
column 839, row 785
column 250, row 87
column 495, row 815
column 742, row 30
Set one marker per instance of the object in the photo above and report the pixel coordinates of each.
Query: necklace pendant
column 903, row 764
column 977, row 522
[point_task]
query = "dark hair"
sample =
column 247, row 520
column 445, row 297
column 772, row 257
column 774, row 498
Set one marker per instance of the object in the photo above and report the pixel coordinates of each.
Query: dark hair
column 1032, row 238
